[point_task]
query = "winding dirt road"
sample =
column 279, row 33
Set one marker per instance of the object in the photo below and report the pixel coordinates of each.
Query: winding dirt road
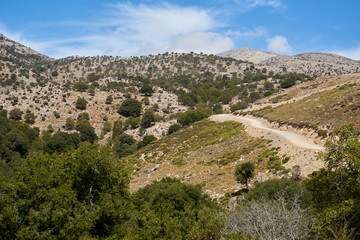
column 301, row 150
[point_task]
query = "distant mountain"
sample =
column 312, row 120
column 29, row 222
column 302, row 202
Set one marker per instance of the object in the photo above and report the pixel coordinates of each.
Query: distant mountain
column 313, row 63
column 248, row 54
column 15, row 52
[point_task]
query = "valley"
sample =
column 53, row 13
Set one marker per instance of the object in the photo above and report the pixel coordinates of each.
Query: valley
column 108, row 133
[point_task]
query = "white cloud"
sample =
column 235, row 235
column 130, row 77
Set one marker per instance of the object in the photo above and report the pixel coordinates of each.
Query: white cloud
column 350, row 53
column 128, row 30
column 267, row 3
column 257, row 32
column 279, row 44
column 208, row 42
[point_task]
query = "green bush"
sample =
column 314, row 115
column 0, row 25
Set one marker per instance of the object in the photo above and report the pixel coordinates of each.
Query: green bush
column 81, row 103
column 130, row 108
column 173, row 128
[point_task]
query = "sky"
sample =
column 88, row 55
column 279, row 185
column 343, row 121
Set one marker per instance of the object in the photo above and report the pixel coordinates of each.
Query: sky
column 61, row 28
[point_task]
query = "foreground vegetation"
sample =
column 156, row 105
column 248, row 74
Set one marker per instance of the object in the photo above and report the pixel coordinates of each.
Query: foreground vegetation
column 80, row 190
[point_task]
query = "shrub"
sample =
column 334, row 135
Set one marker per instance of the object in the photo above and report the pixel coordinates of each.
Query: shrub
column 244, row 172
column 238, row 106
column 174, row 128
column 81, row 103
column 16, row 114
column 130, row 108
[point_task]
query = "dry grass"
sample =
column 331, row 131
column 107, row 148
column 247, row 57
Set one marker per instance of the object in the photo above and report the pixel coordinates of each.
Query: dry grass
column 204, row 153
column 328, row 110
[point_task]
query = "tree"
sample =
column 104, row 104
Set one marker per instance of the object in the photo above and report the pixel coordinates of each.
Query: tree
column 147, row 119
column 268, row 85
column 61, row 142
column 244, row 172
column 81, row 86
column 173, row 128
column 169, row 209
column 130, row 107
column 146, row 140
column 147, row 90
column 80, row 194
column 132, row 122
column 271, row 219
column 70, row 124
column 87, row 132
column 16, row 114
column 81, row 103
column 29, row 118
column 238, row 106
column 117, row 129
column 124, row 145
column 288, row 82
column 109, row 99
column 336, row 188
column 190, row 117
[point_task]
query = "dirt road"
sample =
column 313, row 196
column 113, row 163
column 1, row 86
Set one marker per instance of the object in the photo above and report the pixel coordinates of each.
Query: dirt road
column 301, row 150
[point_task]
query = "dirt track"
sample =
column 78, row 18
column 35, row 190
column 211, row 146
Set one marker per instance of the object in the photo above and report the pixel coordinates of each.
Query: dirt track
column 300, row 149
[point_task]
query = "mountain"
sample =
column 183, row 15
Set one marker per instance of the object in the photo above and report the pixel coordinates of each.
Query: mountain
column 248, row 54
column 314, row 63
column 16, row 52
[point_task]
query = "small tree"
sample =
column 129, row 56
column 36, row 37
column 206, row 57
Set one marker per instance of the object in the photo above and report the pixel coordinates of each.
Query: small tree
column 147, row 90
column 244, row 172
column 130, row 107
column 81, row 103
column 16, row 114
column 29, row 118
column 81, row 86
column 147, row 119
column 109, row 99
column 70, row 124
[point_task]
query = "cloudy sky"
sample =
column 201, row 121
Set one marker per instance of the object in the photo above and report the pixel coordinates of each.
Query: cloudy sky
column 60, row 28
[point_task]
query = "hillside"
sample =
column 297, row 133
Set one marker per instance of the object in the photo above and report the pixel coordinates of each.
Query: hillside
column 248, row 54
column 327, row 104
column 314, row 64
column 17, row 53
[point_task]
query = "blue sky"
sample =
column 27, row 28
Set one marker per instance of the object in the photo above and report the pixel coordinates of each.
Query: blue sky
column 60, row 28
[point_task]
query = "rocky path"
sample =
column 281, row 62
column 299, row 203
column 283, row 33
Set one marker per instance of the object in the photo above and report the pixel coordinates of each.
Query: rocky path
column 301, row 150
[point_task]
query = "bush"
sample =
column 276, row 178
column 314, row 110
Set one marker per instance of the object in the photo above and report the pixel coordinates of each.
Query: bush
column 70, row 124
column 174, row 128
column 81, row 103
column 244, row 172
column 169, row 209
column 146, row 140
column 130, row 108
column 109, row 99
column 87, row 132
column 147, row 119
column 288, row 82
column 80, row 194
column 16, row 114
column 147, row 90
column 81, row 86
column 61, row 142
column 190, row 117
column 238, row 106
column 286, row 188
column 29, row 118
column 132, row 122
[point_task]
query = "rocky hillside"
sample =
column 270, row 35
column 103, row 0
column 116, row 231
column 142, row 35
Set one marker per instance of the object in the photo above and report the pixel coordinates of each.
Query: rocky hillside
column 248, row 54
column 16, row 52
column 315, row 64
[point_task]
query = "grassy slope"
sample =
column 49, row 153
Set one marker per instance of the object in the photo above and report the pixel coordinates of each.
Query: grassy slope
column 203, row 153
column 329, row 109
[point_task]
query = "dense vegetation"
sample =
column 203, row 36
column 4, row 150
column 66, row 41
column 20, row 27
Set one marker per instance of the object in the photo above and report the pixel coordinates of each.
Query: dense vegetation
column 59, row 185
